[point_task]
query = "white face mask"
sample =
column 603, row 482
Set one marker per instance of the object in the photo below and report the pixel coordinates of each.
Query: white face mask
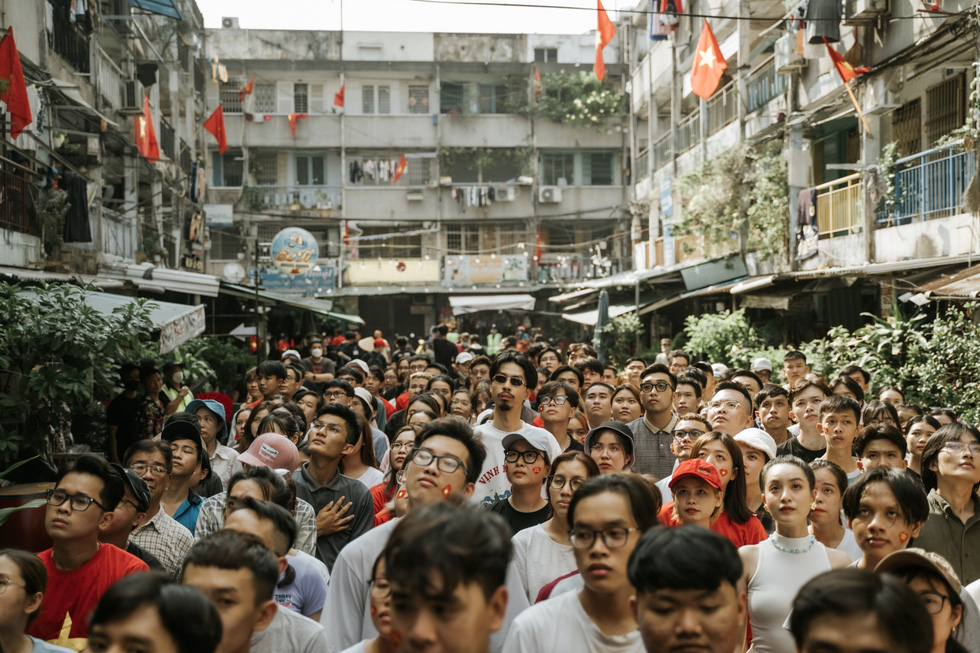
column 316, row 353
column 178, row 377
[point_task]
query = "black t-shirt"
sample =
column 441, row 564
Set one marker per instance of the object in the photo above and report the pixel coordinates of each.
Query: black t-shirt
column 123, row 413
column 151, row 560
column 518, row 521
column 445, row 352
column 793, row 447
column 574, row 445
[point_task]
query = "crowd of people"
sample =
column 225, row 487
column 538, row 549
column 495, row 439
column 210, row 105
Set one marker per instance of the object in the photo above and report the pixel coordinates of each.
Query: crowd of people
column 520, row 497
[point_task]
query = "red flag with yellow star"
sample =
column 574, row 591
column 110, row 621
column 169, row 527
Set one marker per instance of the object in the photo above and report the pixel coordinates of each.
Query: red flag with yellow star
column 709, row 64
column 146, row 136
column 400, row 169
column 604, row 33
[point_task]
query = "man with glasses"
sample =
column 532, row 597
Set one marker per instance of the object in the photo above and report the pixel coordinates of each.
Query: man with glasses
column 512, row 379
column 127, row 517
column 337, row 391
column 159, row 534
column 79, row 568
column 443, row 466
column 689, row 428
column 653, row 431
column 557, row 402
column 730, row 409
column 344, row 508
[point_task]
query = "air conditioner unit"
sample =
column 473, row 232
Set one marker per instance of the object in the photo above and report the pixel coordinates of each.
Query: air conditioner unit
column 132, row 100
column 549, row 195
column 879, row 99
column 786, row 59
column 229, row 23
column 505, row 193
column 857, row 11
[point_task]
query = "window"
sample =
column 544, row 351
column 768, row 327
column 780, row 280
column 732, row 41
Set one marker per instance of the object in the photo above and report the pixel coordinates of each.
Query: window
column 227, row 168
column 265, row 100
column 945, row 108
column 561, row 239
column 418, row 99
column 225, row 243
column 310, row 170
column 493, row 98
column 418, row 171
column 907, row 128
column 597, row 169
column 301, row 98
column 462, row 239
column 368, row 99
column 266, row 168
column 228, row 95
column 384, row 99
column 545, row 55
column 392, row 245
column 558, row 169
column 452, row 97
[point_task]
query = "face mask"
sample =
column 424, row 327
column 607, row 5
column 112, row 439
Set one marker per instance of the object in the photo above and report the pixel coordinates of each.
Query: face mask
column 316, row 353
column 178, row 377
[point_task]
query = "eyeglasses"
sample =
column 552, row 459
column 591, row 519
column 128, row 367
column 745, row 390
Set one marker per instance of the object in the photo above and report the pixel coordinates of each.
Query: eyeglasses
column 558, row 482
column 460, row 402
column 661, row 386
column 528, row 457
column 339, row 394
column 612, row 538
column 380, row 588
column 142, row 468
column 5, row 583
column 329, row 428
column 402, row 446
column 447, row 464
column 934, row 601
column 691, row 434
column 558, row 400
column 515, row 381
column 78, row 502
column 729, row 404
column 960, row 447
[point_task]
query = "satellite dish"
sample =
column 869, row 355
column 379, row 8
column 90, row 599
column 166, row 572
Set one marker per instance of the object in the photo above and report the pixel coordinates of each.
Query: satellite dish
column 233, row 272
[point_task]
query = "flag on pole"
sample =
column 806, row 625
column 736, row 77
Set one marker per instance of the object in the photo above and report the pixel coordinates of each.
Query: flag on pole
column 338, row 97
column 247, row 89
column 146, row 136
column 293, row 117
column 537, row 85
column 216, row 125
column 15, row 97
column 709, row 64
column 399, row 169
column 604, row 33
column 846, row 71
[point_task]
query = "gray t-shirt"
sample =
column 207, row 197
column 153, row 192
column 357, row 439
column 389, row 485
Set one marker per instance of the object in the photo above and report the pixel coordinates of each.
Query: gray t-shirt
column 290, row 632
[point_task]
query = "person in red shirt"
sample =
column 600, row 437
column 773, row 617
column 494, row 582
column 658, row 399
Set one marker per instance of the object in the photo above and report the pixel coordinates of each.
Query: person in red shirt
column 80, row 568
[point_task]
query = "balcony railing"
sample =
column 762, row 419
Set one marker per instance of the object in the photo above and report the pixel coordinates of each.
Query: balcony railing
column 662, row 151
column 689, row 131
column 108, row 78
column 929, row 185
column 167, row 139
column 554, row 268
column 17, row 202
column 297, row 198
column 723, row 108
column 68, row 41
column 118, row 235
column 764, row 85
column 839, row 206
column 642, row 164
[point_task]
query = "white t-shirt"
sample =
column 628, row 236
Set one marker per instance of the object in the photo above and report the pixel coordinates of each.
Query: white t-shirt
column 371, row 477
column 290, row 631
column 849, row 545
column 561, row 624
column 540, row 560
column 492, row 484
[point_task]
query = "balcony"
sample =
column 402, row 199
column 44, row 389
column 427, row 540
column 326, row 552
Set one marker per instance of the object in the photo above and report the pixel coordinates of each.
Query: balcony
column 18, row 199
column 166, row 139
column 388, row 131
column 663, row 151
column 118, row 234
column 68, row 41
column 562, row 268
column 484, row 130
column 723, row 108
column 311, row 132
column 929, row 185
column 642, row 164
column 323, row 200
column 108, row 79
column 764, row 86
column 839, row 206
column 689, row 131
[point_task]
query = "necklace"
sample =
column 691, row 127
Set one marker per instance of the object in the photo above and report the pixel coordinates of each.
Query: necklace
column 812, row 539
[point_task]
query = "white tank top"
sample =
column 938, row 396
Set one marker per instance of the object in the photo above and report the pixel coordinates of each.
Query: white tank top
column 772, row 588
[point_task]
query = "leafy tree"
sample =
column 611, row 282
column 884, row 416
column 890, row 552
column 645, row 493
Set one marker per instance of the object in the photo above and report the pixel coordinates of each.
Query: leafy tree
column 725, row 337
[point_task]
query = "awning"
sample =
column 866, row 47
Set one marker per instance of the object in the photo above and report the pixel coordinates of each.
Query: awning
column 177, row 323
column 70, row 91
column 27, row 274
column 590, row 317
column 575, row 294
column 166, row 8
column 964, row 284
column 318, row 306
column 755, row 283
column 463, row 304
column 149, row 277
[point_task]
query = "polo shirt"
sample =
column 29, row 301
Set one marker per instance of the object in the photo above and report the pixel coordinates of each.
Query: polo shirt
column 187, row 512
column 945, row 534
column 651, row 450
column 318, row 496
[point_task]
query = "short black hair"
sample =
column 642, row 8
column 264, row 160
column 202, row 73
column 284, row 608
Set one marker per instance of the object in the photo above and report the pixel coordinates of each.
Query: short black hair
column 634, row 359
column 146, row 445
column 522, row 361
column 231, row 550
column 748, row 374
column 893, row 389
column 880, row 431
column 429, row 400
column 554, row 351
column 794, row 356
column 297, row 372
column 704, row 367
column 284, row 522
column 452, row 543
column 697, row 375
column 551, row 387
column 439, row 366
column 683, row 559
column 272, row 485
column 288, row 424
column 875, row 411
column 352, row 370
column 349, row 417
column 601, row 384
column 770, row 391
column 737, row 387
column 679, row 353
column 185, row 612
column 660, row 368
column 852, row 386
column 801, row 385
column 936, row 442
column 851, row 369
column 419, row 357
column 908, row 493
column 848, row 592
column 460, row 431
column 480, row 360
column 840, row 404
column 644, row 502
column 589, row 363
column 113, row 485
column 271, row 368
column 687, row 379
column 561, row 369
column 338, row 383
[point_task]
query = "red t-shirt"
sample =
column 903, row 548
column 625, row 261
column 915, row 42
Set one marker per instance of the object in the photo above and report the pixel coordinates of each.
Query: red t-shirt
column 381, row 496
column 401, row 403
column 75, row 592
column 751, row 532
column 389, row 409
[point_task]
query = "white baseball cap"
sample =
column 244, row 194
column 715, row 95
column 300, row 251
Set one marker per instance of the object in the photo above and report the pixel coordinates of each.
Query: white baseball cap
column 758, row 439
column 537, row 438
column 761, row 364
column 464, row 357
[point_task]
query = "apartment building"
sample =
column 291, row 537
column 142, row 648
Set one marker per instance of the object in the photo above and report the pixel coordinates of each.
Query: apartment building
column 500, row 201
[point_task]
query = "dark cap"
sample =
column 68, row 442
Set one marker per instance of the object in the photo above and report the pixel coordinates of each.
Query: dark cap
column 169, row 365
column 619, row 428
column 181, row 430
column 140, row 490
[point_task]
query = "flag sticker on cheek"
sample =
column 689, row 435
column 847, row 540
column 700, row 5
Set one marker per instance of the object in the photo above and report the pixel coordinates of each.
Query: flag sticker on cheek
column 536, row 470
column 903, row 537
column 722, row 472
column 402, row 494
column 446, row 491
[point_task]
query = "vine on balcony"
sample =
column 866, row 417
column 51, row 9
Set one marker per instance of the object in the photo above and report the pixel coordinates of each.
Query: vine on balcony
column 578, row 99
column 482, row 158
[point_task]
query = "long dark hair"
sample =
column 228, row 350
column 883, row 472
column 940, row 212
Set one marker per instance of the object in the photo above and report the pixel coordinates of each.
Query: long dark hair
column 735, row 505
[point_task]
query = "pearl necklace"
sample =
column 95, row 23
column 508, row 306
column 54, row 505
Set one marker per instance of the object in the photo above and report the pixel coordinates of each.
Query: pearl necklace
column 812, row 539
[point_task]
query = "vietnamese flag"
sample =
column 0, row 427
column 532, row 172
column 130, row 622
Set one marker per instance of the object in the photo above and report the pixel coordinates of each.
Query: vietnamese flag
column 399, row 169
column 846, row 71
column 709, row 64
column 216, row 125
column 604, row 33
column 247, row 89
column 293, row 117
column 338, row 97
column 146, row 136
column 15, row 97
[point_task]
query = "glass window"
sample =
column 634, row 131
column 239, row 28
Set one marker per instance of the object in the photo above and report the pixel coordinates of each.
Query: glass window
column 367, row 99
column 392, row 245
column 418, row 99
column 266, row 168
column 384, row 99
column 310, row 170
column 418, row 171
column 545, row 55
column 597, row 169
column 228, row 95
column 493, row 98
column 463, row 239
column 227, row 168
column 264, row 100
column 301, row 98
column 558, row 169
column 452, row 97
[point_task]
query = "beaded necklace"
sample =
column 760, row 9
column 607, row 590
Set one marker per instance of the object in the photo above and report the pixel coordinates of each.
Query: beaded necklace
column 812, row 539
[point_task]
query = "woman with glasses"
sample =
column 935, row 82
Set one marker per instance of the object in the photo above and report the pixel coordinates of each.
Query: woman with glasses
column 384, row 492
column 626, row 405
column 544, row 552
column 607, row 517
column 528, row 464
column 463, row 405
column 387, row 640
column 951, row 475
column 23, row 580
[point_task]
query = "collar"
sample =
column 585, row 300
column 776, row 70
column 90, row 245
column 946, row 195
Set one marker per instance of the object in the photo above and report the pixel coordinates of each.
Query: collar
column 314, row 486
column 225, row 453
column 667, row 429
column 938, row 502
column 193, row 498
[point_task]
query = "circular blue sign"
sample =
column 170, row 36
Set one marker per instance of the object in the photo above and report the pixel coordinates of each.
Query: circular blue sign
column 294, row 251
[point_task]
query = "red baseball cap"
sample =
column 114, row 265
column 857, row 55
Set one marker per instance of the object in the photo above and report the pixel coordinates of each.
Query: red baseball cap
column 699, row 469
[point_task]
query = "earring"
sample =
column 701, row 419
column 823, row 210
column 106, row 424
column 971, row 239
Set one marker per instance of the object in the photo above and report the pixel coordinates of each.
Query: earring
column 813, row 506
column 765, row 507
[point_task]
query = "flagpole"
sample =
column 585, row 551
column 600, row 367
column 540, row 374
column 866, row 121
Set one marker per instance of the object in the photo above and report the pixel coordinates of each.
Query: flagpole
column 857, row 107
column 343, row 161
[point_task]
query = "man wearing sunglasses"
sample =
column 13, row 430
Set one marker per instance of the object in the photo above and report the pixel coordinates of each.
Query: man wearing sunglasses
column 653, row 433
column 79, row 567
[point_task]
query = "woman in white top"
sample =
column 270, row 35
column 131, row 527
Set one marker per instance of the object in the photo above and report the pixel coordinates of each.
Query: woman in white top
column 543, row 553
column 826, row 523
column 776, row 568
column 360, row 463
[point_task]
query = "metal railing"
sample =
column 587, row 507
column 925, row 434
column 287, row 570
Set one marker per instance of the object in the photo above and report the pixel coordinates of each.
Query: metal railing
column 68, row 41
column 764, row 85
column 928, row 184
column 118, row 234
column 17, row 203
column 723, row 108
column 839, row 206
column 558, row 267
column 299, row 197
column 642, row 164
column 662, row 151
column 167, row 139
column 689, row 131
column 108, row 78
